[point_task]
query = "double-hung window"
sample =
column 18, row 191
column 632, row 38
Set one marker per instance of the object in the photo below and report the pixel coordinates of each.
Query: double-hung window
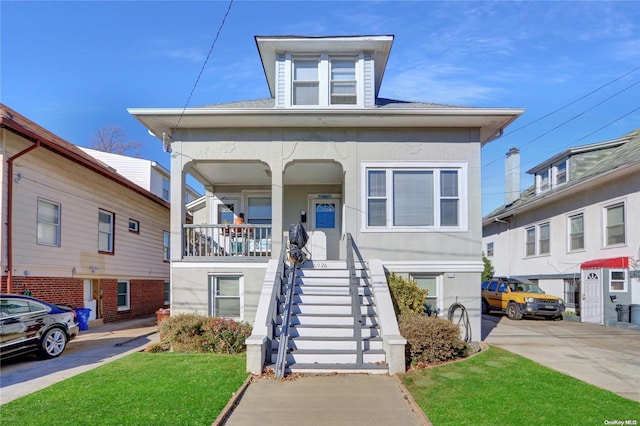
column 614, row 225
column 166, row 189
column 561, row 173
column 305, row 82
column 576, row 232
column 124, row 296
column 343, row 81
column 538, row 240
column 414, row 197
column 48, row 223
column 226, row 294
column 106, row 221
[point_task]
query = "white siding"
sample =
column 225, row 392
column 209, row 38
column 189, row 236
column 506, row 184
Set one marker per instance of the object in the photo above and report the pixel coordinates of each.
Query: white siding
column 80, row 193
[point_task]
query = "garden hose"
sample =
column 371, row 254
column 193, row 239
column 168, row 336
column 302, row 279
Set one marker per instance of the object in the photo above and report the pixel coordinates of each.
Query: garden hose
column 462, row 320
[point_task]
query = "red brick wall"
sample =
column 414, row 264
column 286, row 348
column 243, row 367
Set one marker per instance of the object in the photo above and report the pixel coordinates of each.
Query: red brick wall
column 146, row 296
column 66, row 291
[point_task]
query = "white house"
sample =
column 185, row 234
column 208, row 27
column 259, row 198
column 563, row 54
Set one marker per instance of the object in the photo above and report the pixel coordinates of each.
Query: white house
column 147, row 174
column 76, row 232
column 393, row 184
column 574, row 231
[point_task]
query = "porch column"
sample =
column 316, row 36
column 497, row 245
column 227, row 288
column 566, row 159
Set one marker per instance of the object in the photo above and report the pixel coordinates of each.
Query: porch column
column 277, row 206
column 178, row 209
column 350, row 188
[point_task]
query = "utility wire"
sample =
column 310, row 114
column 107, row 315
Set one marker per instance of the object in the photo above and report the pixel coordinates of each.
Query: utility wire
column 573, row 102
column 571, row 119
column 205, row 62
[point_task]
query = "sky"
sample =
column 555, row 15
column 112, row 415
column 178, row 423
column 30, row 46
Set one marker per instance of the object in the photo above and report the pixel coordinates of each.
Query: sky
column 74, row 67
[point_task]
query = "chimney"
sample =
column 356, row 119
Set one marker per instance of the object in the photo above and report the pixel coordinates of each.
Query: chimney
column 512, row 176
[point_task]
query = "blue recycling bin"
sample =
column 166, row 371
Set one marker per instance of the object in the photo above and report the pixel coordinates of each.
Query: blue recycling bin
column 83, row 317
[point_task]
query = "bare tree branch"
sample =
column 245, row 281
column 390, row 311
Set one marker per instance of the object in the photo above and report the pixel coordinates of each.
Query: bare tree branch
column 113, row 139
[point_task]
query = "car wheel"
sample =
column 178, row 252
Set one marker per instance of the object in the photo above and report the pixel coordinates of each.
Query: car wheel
column 513, row 313
column 53, row 343
column 485, row 306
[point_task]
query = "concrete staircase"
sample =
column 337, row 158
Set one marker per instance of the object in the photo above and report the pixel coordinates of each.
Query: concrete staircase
column 322, row 327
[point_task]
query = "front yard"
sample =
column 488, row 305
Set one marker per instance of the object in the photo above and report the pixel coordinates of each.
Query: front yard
column 493, row 387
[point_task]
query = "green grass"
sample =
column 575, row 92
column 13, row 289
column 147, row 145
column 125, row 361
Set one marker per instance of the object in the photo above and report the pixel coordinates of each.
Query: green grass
column 497, row 387
column 494, row 387
column 139, row 389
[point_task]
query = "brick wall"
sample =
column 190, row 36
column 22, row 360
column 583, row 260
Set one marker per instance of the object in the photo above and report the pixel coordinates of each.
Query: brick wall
column 65, row 291
column 146, row 296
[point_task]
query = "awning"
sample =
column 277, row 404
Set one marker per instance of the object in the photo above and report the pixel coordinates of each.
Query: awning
column 616, row 262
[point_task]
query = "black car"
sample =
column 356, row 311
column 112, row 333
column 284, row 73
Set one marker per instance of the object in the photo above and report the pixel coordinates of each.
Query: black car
column 31, row 325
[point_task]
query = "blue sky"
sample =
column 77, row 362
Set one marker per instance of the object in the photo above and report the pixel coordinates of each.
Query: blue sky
column 75, row 67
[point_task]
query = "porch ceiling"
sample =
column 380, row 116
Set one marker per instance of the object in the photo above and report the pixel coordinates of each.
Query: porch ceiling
column 255, row 173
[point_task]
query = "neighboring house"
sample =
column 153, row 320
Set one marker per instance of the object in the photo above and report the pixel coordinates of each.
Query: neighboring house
column 574, row 231
column 147, row 174
column 75, row 231
column 402, row 179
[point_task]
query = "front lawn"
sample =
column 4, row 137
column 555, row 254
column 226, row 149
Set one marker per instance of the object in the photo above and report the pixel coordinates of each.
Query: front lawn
column 497, row 387
column 139, row 389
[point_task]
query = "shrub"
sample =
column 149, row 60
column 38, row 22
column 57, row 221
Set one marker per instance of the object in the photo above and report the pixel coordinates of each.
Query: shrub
column 430, row 340
column 199, row 333
column 406, row 296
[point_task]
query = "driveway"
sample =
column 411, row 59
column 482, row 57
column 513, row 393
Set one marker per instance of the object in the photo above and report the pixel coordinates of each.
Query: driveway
column 606, row 357
column 26, row 374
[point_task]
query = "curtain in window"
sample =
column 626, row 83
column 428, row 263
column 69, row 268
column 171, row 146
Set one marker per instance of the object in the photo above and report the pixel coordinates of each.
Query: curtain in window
column 413, row 198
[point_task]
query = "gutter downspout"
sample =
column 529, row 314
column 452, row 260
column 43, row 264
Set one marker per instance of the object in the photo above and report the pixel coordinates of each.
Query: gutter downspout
column 10, row 212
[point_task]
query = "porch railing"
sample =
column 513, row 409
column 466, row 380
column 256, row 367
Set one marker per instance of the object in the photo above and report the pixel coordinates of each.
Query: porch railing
column 212, row 240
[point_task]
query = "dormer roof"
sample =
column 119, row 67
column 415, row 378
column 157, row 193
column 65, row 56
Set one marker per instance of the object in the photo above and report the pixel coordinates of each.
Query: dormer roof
column 269, row 46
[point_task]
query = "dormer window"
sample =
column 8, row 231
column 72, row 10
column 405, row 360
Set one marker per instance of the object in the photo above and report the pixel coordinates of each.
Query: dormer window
column 544, row 181
column 561, row 173
column 323, row 80
column 552, row 177
column 343, row 81
column 306, row 84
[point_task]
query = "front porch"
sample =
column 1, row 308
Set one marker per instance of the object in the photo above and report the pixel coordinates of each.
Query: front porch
column 206, row 241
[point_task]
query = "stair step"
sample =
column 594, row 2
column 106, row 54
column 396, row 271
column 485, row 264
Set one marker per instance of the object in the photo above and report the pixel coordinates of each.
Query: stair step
column 323, row 308
column 329, row 319
column 317, row 368
column 338, row 343
column 329, row 290
column 331, row 356
column 307, row 330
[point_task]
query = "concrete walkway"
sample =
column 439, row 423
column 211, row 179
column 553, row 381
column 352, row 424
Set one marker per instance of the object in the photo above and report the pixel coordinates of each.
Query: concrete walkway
column 340, row 399
column 92, row 348
column 606, row 357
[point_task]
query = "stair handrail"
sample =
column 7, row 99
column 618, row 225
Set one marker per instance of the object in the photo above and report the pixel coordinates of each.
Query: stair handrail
column 355, row 299
column 283, row 345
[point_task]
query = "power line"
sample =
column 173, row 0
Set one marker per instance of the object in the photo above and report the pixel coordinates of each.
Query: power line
column 573, row 102
column 205, row 62
column 574, row 117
